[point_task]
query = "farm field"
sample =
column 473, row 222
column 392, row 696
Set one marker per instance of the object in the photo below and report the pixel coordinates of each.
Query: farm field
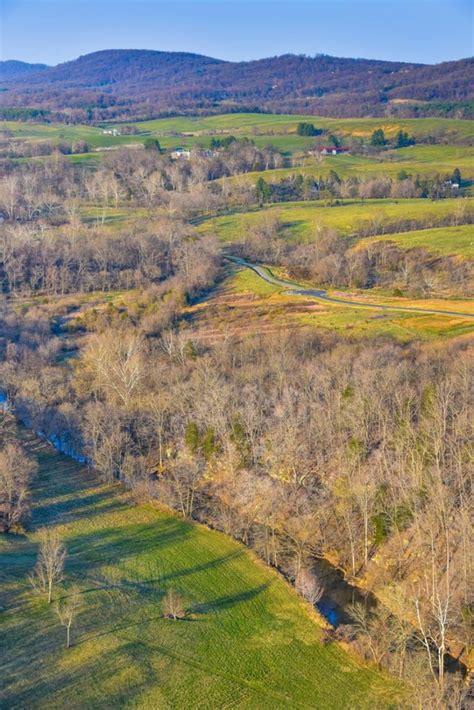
column 238, row 646
column 300, row 219
column 416, row 160
column 268, row 124
column 279, row 130
column 442, row 240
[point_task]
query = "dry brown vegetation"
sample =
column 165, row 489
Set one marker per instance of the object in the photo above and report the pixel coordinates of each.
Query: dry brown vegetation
column 133, row 347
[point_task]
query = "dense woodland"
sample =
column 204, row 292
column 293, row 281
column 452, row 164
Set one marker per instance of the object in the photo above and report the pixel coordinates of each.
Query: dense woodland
column 302, row 445
column 144, row 84
column 285, row 444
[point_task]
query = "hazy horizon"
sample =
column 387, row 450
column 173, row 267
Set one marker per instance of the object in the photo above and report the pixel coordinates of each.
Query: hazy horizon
column 56, row 31
column 250, row 59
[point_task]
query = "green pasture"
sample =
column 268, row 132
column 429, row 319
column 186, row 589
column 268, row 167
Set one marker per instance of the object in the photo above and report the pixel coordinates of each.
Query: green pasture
column 301, row 220
column 248, row 640
column 416, row 160
column 442, row 240
column 280, row 124
column 276, row 129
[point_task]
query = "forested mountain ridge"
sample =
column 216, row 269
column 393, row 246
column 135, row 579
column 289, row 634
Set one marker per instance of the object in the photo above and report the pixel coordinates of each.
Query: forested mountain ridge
column 144, row 83
column 13, row 69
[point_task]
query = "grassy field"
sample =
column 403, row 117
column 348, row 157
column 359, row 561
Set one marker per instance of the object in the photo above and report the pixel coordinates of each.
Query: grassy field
column 443, row 240
column 280, row 130
column 246, row 304
column 172, row 133
column 301, row 219
column 249, row 642
column 117, row 216
column 281, row 124
column 416, row 160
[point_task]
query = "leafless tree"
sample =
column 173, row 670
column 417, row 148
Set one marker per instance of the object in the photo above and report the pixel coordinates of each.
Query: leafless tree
column 49, row 568
column 16, row 472
column 67, row 609
column 173, row 605
column 308, row 585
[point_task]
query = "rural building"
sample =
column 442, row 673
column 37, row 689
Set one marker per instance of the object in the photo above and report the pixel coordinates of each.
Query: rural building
column 332, row 150
column 180, row 153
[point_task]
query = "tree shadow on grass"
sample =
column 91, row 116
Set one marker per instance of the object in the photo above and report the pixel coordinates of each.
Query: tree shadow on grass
column 120, row 627
column 76, row 685
column 112, row 545
column 292, row 224
column 84, row 506
column 228, row 601
column 202, row 567
column 135, row 584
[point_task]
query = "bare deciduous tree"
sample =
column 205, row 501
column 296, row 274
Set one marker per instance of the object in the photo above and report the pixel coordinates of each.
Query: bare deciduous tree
column 67, row 609
column 308, row 585
column 16, row 471
column 173, row 605
column 49, row 567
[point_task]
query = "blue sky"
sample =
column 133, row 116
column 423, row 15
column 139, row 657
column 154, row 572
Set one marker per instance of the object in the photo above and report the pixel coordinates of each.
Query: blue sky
column 53, row 31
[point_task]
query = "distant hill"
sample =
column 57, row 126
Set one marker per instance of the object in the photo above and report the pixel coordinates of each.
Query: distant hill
column 12, row 69
column 145, row 83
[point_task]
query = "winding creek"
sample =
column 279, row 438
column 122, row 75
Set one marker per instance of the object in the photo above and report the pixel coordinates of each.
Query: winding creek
column 339, row 595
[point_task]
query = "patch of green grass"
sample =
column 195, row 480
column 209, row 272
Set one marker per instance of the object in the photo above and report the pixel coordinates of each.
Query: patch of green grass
column 250, row 642
column 416, row 160
column 247, row 281
column 59, row 133
column 110, row 216
column 358, row 322
column 281, row 124
column 276, row 129
column 84, row 159
column 443, row 240
column 301, row 219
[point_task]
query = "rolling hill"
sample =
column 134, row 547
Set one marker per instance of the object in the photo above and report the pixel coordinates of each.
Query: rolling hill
column 141, row 83
column 12, row 69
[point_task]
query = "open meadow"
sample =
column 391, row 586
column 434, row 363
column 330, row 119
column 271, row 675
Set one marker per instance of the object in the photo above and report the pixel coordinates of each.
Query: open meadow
column 415, row 160
column 442, row 240
column 245, row 304
column 300, row 220
column 279, row 130
column 260, row 124
column 238, row 645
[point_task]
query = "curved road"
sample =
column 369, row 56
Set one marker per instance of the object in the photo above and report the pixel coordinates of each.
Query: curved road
column 294, row 289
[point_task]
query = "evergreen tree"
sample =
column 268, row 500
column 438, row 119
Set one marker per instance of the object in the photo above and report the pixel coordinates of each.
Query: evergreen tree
column 403, row 140
column 378, row 138
column 152, row 144
column 307, row 129
column 263, row 191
